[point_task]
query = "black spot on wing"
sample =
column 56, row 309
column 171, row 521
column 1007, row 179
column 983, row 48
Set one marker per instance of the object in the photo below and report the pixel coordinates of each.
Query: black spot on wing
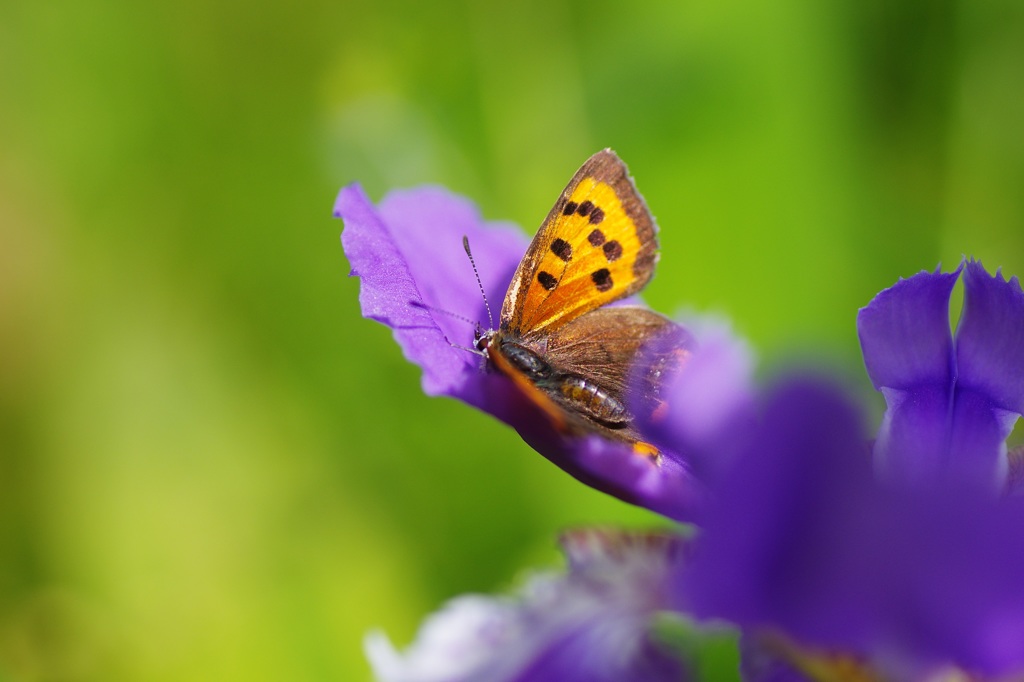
column 547, row 280
column 602, row 279
column 596, row 238
column 612, row 251
column 570, row 208
column 596, row 216
column 562, row 249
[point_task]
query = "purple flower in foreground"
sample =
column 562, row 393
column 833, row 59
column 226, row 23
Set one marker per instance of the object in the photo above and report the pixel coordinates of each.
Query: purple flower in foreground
column 596, row 623
column 952, row 401
column 913, row 573
column 804, row 540
column 829, row 569
column 409, row 249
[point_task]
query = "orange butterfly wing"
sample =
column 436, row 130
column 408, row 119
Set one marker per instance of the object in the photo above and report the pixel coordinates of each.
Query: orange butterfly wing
column 597, row 245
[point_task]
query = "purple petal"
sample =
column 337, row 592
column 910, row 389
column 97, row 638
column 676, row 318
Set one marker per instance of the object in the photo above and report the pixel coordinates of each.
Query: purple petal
column 578, row 658
column 429, row 224
column 990, row 338
column 977, row 440
column 904, row 332
column 951, row 591
column 708, row 401
column 716, row 384
column 912, row 443
column 594, row 623
column 923, row 439
column 803, row 540
column 410, row 249
column 467, row 640
column 667, row 487
column 752, row 565
column 947, row 416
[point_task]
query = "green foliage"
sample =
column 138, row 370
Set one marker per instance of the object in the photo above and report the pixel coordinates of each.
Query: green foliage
column 212, row 468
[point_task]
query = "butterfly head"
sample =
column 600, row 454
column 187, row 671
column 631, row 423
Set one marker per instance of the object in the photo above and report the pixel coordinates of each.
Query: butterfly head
column 482, row 339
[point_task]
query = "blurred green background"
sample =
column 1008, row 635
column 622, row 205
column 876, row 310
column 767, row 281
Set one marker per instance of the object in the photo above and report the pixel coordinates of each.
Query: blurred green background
column 211, row 467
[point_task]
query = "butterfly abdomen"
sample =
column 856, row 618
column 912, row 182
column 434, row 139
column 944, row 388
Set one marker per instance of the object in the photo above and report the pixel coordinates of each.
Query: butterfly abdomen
column 574, row 393
column 593, row 401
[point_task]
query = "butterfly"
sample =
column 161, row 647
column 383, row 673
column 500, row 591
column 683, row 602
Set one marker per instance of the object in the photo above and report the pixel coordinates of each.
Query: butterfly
column 558, row 340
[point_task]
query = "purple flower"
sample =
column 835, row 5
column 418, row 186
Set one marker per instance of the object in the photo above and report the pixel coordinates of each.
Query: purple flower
column 709, row 403
column 408, row 254
column 952, row 401
column 901, row 559
column 910, row 573
column 595, row 623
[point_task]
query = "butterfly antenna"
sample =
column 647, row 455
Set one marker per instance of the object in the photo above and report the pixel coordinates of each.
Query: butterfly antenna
column 424, row 306
column 465, row 245
column 462, row 318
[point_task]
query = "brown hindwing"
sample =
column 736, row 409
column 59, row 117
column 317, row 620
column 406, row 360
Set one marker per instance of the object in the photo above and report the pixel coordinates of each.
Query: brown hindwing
column 588, row 365
column 603, row 346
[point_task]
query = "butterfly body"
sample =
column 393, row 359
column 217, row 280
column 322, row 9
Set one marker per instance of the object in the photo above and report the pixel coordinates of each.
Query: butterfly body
column 593, row 401
column 575, row 392
column 564, row 348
